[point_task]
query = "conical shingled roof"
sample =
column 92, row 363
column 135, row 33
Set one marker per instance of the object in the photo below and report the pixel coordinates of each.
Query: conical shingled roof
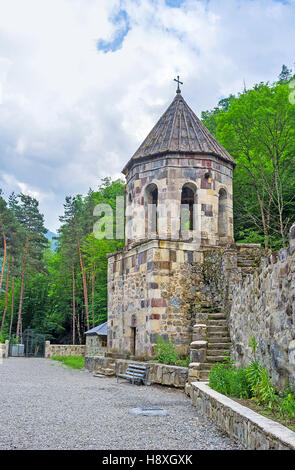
column 179, row 130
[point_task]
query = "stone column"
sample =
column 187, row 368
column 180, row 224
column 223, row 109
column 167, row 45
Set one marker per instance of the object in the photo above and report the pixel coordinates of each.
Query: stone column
column 47, row 349
column 198, row 351
column 292, row 239
column 6, row 348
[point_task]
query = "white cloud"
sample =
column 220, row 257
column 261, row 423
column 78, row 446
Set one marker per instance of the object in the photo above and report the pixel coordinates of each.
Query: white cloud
column 71, row 114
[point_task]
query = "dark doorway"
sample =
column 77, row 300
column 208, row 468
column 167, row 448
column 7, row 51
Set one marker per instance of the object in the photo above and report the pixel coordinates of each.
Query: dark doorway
column 133, row 341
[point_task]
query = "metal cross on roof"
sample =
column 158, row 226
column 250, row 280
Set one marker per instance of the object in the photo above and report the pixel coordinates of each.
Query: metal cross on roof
column 178, row 82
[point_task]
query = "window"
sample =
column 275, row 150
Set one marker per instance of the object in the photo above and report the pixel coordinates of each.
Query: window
column 188, row 199
column 151, row 209
column 104, row 341
column 222, row 214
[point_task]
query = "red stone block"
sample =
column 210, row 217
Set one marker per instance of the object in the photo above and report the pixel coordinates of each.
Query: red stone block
column 154, row 316
column 158, row 303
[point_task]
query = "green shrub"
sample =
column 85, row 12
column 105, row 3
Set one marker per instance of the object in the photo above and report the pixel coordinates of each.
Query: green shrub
column 166, row 352
column 263, row 390
column 253, row 382
column 287, row 406
column 229, row 381
column 183, row 362
column 2, row 339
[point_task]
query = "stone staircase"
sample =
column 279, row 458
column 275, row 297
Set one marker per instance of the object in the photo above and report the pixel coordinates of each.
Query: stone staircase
column 247, row 259
column 102, row 366
column 211, row 343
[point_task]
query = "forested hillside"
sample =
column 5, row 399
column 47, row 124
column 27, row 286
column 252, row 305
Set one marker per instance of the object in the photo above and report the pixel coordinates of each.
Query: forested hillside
column 257, row 127
column 62, row 293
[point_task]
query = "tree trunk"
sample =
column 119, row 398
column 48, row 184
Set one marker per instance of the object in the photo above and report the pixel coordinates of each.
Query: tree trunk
column 74, row 305
column 12, row 307
column 4, row 260
column 78, row 328
column 6, row 296
column 84, row 284
column 92, row 297
column 19, row 319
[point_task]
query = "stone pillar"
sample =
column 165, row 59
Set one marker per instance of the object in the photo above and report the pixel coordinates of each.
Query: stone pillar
column 291, row 356
column 47, row 349
column 200, row 332
column 292, row 239
column 6, row 348
column 198, row 351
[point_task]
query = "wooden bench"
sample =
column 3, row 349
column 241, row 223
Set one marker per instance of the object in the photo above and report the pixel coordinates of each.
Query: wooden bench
column 135, row 373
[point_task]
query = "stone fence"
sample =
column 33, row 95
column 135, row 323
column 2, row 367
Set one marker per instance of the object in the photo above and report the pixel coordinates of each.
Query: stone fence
column 64, row 350
column 4, row 349
column 263, row 306
column 158, row 373
column 252, row 430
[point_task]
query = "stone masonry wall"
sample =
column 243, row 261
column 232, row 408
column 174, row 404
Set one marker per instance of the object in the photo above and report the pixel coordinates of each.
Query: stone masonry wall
column 152, row 288
column 63, row 350
column 263, row 306
column 252, row 430
column 157, row 373
column 205, row 173
column 94, row 346
column 4, row 349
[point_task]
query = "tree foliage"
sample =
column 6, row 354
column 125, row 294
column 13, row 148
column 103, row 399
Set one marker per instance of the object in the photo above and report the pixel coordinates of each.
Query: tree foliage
column 258, row 129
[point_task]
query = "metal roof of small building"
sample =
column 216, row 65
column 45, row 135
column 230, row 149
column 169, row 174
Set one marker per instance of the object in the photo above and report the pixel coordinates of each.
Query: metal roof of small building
column 179, row 130
column 101, row 330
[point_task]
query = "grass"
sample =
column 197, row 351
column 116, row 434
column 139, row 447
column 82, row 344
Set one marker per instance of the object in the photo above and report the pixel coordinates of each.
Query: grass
column 75, row 362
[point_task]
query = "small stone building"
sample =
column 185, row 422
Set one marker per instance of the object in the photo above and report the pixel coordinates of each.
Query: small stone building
column 96, row 340
column 178, row 206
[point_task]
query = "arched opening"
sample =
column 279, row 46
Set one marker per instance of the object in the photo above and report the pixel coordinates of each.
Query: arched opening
column 152, row 210
column 222, row 215
column 188, row 199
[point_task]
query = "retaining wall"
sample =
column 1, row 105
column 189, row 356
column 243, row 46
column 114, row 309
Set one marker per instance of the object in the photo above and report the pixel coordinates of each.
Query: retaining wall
column 250, row 429
column 158, row 373
column 263, row 306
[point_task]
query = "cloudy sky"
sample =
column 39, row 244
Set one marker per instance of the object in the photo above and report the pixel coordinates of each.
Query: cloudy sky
column 83, row 81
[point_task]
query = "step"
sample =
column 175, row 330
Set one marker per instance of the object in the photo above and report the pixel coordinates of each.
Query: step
column 217, row 323
column 218, row 339
column 217, row 329
column 216, row 316
column 202, row 366
column 218, row 352
column 213, row 345
column 204, row 376
column 212, row 359
column 247, row 269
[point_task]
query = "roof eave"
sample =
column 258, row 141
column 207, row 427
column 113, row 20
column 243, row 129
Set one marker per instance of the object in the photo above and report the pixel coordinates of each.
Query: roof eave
column 134, row 161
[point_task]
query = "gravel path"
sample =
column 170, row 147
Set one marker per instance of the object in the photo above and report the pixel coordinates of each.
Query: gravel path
column 45, row 405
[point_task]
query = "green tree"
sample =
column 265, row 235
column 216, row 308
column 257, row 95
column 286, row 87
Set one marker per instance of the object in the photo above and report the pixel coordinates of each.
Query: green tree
column 257, row 129
column 26, row 211
column 285, row 74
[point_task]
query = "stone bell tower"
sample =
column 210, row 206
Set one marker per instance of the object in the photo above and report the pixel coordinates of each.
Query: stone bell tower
column 178, row 204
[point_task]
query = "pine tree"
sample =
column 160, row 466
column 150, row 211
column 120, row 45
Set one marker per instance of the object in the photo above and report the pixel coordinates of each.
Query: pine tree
column 26, row 211
column 285, row 74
